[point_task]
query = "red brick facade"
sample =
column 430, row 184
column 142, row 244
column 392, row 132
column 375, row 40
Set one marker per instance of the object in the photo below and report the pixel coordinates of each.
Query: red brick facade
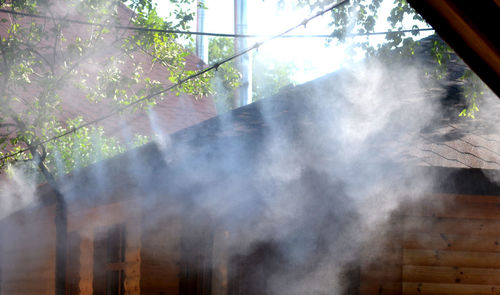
column 171, row 114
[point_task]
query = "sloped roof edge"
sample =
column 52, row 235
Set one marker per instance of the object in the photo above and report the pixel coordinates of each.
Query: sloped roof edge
column 467, row 26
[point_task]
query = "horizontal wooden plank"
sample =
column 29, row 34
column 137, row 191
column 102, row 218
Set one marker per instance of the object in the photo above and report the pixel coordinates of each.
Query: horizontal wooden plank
column 13, row 271
column 34, row 249
column 462, row 198
column 452, row 226
column 160, row 282
column 451, row 258
column 39, row 214
column 167, row 275
column 102, row 216
column 442, row 241
column 159, row 266
column 382, row 273
column 161, row 254
column 451, row 209
column 447, row 289
column 17, row 291
column 27, row 267
column 369, row 288
column 383, row 256
column 31, row 235
column 451, row 275
column 27, row 285
column 156, row 291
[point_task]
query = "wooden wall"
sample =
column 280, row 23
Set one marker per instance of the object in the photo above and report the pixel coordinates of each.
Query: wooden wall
column 160, row 254
column 28, row 247
column 381, row 261
column 28, row 252
column 87, row 222
column 177, row 253
column 442, row 244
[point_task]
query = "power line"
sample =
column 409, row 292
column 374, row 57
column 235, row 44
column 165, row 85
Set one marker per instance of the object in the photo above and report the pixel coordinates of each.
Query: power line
column 166, row 31
column 389, row 32
column 179, row 83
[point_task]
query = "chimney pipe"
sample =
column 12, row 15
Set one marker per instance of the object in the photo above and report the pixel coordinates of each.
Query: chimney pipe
column 244, row 63
column 201, row 42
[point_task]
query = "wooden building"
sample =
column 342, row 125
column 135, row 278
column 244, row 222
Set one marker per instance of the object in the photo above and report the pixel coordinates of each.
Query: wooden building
column 447, row 243
column 174, row 219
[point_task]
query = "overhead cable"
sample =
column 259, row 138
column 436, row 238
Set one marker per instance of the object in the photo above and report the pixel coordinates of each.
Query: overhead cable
column 179, row 83
column 181, row 32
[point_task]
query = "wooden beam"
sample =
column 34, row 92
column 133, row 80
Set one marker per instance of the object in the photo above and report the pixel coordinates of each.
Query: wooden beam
column 467, row 27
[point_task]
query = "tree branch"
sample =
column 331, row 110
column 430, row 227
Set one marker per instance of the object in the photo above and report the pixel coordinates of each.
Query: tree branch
column 3, row 125
column 33, row 50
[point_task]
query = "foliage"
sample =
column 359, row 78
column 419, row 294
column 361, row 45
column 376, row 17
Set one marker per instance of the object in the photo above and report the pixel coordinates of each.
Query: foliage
column 43, row 62
column 81, row 148
column 267, row 76
column 179, row 18
column 474, row 89
column 227, row 78
column 361, row 16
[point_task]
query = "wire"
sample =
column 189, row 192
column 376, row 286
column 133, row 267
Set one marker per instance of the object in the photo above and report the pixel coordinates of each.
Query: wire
column 390, row 32
column 179, row 83
column 143, row 29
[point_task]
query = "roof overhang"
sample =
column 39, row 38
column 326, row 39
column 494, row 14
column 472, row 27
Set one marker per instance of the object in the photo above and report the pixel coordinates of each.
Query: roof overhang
column 469, row 28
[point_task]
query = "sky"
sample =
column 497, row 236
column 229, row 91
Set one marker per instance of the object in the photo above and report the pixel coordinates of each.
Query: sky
column 313, row 57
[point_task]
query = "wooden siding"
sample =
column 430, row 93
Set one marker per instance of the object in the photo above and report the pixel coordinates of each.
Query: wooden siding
column 220, row 260
column 28, row 247
column 381, row 258
column 28, row 252
column 447, row 244
column 177, row 253
column 88, row 221
column 160, row 253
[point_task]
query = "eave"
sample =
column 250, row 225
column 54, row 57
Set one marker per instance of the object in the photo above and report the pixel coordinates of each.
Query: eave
column 469, row 28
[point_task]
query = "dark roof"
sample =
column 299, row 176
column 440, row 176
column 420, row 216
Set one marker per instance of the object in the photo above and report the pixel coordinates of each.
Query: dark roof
column 441, row 139
column 348, row 121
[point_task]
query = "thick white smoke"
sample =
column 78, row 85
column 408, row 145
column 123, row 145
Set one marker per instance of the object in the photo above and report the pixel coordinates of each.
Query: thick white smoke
column 17, row 191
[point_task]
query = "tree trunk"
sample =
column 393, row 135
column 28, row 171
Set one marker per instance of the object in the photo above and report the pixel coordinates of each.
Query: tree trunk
column 61, row 222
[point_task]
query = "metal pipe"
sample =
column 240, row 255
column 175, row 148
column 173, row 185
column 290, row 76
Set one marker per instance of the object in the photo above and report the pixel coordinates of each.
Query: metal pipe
column 201, row 42
column 243, row 63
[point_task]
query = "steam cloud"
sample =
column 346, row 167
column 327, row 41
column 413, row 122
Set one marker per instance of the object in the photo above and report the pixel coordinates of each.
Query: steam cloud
column 301, row 196
column 301, row 193
column 17, row 191
column 304, row 192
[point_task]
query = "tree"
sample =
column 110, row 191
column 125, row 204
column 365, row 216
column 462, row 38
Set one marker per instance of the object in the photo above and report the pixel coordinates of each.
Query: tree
column 227, row 78
column 43, row 60
column 268, row 76
column 40, row 57
column 361, row 16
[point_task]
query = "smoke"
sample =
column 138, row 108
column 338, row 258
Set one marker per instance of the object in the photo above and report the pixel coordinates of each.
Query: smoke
column 18, row 191
column 483, row 132
column 291, row 187
column 329, row 182
column 300, row 181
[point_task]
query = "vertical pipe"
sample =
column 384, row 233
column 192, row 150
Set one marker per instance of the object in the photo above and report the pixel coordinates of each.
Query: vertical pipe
column 243, row 63
column 201, row 42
